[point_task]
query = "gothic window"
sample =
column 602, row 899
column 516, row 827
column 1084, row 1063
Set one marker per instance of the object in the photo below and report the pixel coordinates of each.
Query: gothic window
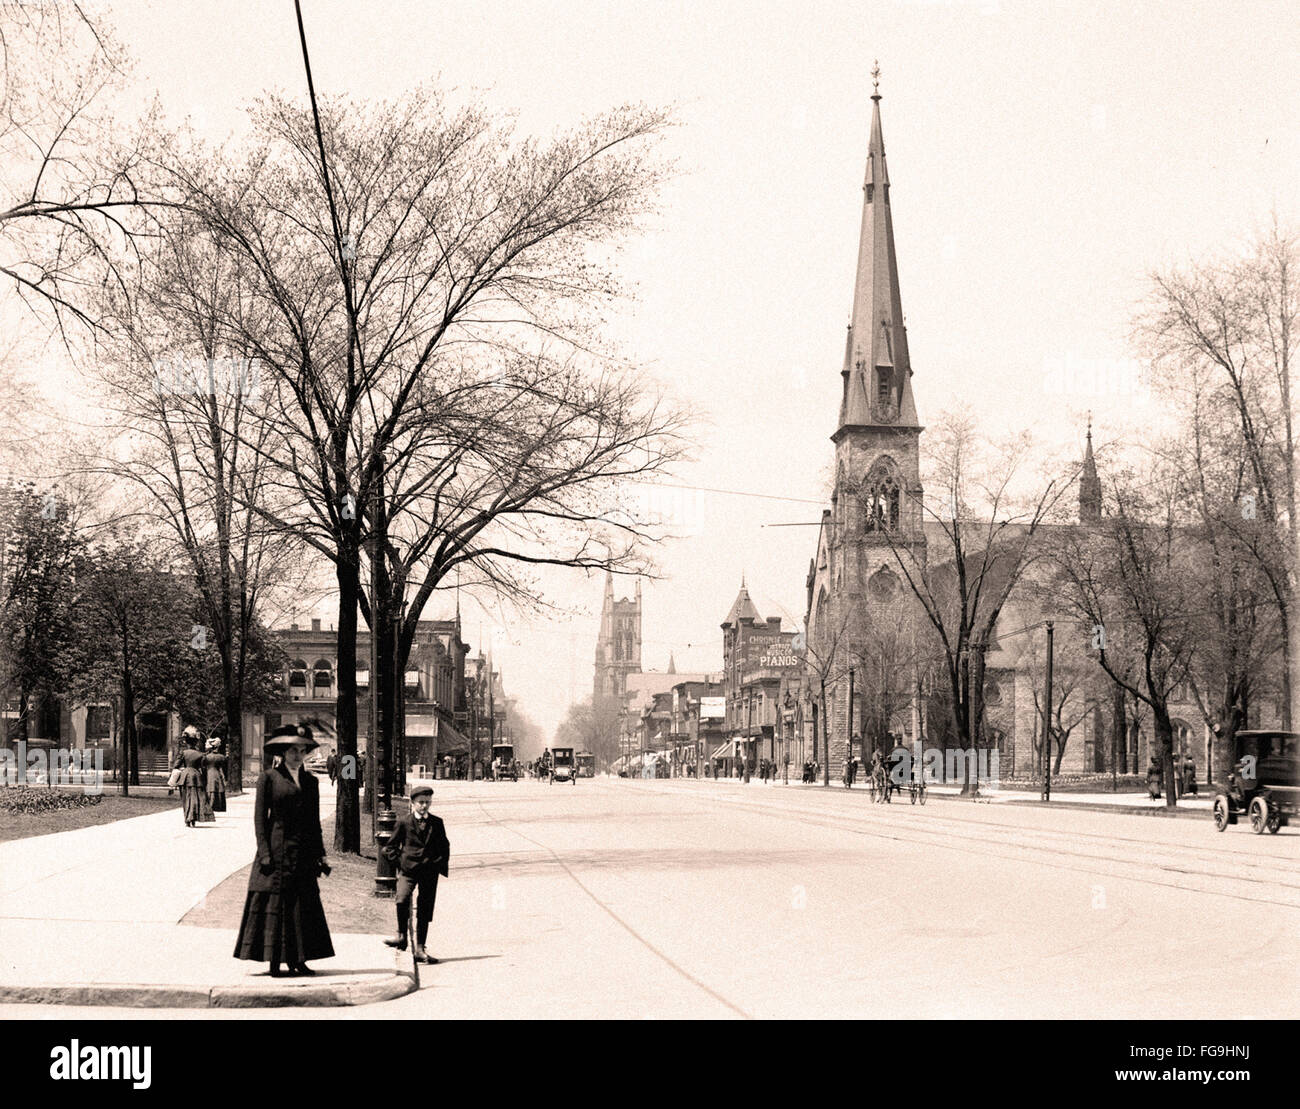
column 882, row 498
column 883, row 584
column 870, row 192
column 884, row 398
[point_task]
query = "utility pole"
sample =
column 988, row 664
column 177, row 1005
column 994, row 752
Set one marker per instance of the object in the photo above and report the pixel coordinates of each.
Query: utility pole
column 383, row 700
column 1047, row 720
column 972, row 670
column 848, row 766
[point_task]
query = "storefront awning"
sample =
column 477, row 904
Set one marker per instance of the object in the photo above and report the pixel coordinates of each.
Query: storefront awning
column 726, row 751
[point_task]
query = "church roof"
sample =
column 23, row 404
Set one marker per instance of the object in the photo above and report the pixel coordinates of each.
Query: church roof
column 877, row 338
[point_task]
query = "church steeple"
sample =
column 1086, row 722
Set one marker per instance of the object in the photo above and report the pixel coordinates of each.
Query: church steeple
column 877, row 368
column 1089, row 485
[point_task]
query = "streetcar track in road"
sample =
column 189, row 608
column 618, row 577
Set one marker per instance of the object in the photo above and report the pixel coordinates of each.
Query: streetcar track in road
column 680, row 970
column 937, row 839
column 1239, row 858
column 1244, row 855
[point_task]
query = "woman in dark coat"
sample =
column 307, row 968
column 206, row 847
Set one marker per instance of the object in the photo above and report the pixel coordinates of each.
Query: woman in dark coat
column 283, row 919
column 214, row 772
column 190, row 764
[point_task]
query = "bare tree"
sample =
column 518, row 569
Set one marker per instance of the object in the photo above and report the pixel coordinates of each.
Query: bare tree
column 381, row 255
column 828, row 655
column 1127, row 579
column 1231, row 326
column 984, row 537
column 191, row 440
column 71, row 210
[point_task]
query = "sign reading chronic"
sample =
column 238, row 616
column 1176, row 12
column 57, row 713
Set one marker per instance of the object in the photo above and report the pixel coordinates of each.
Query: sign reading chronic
column 773, row 652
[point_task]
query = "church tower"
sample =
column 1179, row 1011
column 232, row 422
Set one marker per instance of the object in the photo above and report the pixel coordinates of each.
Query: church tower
column 877, row 498
column 1089, row 486
column 618, row 648
column 876, row 507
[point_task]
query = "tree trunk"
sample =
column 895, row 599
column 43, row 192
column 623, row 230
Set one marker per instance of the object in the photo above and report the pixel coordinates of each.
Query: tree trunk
column 234, row 743
column 1165, row 741
column 1119, row 724
column 129, row 771
column 826, row 737
column 1291, row 671
column 347, row 813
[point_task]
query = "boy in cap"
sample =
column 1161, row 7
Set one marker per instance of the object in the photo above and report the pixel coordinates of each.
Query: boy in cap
column 419, row 849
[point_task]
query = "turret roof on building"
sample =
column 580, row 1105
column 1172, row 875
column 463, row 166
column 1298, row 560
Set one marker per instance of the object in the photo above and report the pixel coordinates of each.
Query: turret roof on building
column 742, row 608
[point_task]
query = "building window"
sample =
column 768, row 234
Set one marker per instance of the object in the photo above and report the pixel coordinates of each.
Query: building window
column 884, row 397
column 882, row 499
column 322, row 677
column 871, row 190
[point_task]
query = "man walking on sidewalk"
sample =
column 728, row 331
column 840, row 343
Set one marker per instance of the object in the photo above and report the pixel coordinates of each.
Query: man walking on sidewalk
column 420, row 850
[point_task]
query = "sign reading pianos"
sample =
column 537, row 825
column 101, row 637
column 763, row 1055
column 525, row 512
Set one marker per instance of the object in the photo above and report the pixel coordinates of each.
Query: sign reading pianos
column 769, row 656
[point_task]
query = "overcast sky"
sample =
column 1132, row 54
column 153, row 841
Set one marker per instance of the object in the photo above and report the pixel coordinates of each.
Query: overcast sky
column 1043, row 157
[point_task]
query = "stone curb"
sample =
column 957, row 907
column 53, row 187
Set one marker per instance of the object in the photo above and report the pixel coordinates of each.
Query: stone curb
column 1060, row 802
column 317, row 994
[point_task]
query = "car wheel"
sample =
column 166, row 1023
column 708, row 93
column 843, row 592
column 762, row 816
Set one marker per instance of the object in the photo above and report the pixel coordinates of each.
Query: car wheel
column 1259, row 815
column 1274, row 821
column 1222, row 813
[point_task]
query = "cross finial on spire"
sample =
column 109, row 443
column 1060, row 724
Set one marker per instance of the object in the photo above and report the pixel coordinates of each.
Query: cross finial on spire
column 1090, row 423
column 875, row 80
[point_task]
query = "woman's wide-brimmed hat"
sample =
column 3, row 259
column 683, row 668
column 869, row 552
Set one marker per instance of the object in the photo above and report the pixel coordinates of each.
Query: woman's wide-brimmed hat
column 191, row 733
column 213, row 743
column 290, row 735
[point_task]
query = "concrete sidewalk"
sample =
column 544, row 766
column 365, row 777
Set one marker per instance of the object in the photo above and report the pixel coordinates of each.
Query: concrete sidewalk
column 91, row 917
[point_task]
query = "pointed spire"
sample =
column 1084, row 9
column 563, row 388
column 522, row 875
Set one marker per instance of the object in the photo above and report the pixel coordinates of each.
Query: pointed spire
column 877, row 368
column 1089, row 484
column 672, row 663
column 742, row 608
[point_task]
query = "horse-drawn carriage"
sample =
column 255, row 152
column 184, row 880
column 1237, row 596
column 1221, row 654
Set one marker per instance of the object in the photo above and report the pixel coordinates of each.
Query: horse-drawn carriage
column 1264, row 783
column 503, row 762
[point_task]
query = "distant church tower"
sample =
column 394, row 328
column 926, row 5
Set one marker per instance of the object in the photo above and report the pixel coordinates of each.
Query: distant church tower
column 876, row 506
column 618, row 650
column 1089, row 486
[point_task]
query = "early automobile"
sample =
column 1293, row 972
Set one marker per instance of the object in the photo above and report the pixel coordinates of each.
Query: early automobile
column 564, row 767
column 1264, row 783
column 503, row 762
column 586, row 764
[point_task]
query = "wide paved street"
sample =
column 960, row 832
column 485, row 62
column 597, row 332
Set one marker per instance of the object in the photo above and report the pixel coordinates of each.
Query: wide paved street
column 618, row 898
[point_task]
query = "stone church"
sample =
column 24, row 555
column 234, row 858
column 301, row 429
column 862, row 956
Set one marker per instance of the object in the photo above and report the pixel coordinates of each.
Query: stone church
column 875, row 527
column 618, row 648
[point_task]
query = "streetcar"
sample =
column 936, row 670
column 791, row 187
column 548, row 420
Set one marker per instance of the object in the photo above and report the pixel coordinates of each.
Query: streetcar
column 564, row 766
column 1264, row 783
column 503, row 762
column 586, row 764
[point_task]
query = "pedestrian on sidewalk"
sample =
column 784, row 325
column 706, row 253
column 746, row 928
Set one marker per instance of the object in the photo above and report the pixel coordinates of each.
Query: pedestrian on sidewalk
column 189, row 762
column 214, row 770
column 283, row 919
column 419, row 849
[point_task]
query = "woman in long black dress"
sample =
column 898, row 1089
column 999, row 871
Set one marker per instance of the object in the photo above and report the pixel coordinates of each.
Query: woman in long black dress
column 190, row 764
column 214, row 773
column 283, row 919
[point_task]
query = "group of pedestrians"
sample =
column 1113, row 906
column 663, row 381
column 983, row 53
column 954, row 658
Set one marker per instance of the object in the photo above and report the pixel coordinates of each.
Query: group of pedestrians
column 200, row 776
column 283, row 922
